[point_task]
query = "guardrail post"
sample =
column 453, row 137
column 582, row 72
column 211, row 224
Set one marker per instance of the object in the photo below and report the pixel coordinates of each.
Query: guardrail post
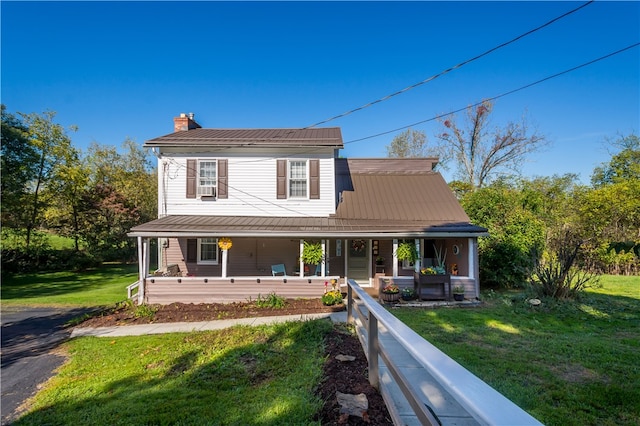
column 372, row 343
column 349, row 304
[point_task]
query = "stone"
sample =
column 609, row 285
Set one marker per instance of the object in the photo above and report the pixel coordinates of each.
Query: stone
column 353, row 405
column 345, row 358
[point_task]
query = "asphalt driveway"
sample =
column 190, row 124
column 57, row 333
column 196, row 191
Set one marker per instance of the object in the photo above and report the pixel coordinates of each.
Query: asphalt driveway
column 30, row 337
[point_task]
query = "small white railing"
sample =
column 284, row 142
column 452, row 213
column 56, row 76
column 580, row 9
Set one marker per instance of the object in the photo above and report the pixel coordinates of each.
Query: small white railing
column 483, row 403
column 131, row 288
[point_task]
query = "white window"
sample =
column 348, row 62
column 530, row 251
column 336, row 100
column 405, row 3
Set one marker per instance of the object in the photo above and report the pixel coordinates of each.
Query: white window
column 208, row 251
column 298, row 179
column 207, row 178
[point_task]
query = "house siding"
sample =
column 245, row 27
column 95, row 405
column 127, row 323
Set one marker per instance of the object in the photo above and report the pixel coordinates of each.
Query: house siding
column 252, row 189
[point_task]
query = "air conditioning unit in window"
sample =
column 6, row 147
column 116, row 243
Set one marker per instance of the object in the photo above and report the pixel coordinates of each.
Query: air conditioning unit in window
column 207, row 191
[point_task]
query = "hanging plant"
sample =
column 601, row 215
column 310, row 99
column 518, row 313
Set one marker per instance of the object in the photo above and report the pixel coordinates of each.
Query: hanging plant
column 312, row 253
column 225, row 243
column 407, row 251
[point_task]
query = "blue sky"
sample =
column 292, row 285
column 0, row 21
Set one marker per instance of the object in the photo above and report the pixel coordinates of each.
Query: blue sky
column 125, row 69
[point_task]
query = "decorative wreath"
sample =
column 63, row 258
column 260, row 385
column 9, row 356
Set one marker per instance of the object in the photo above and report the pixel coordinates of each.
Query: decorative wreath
column 225, row 243
column 358, row 245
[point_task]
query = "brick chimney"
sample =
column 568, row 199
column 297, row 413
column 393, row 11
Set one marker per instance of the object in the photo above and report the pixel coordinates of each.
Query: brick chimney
column 185, row 122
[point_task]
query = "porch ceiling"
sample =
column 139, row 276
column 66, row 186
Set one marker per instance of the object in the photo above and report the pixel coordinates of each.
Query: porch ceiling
column 325, row 227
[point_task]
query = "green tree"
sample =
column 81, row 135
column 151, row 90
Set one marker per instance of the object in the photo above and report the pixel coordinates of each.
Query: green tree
column 516, row 234
column 51, row 146
column 480, row 153
column 625, row 165
column 410, row 143
column 18, row 167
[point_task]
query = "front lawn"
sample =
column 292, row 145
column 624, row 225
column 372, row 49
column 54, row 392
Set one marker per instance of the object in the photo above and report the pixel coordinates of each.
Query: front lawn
column 566, row 363
column 264, row 375
column 101, row 286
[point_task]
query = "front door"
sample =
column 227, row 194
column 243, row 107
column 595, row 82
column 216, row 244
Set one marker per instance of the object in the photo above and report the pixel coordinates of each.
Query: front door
column 358, row 260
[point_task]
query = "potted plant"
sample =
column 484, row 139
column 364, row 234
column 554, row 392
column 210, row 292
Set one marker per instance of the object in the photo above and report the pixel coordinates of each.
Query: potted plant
column 408, row 294
column 390, row 293
column 379, row 260
column 312, row 253
column 331, row 297
column 458, row 293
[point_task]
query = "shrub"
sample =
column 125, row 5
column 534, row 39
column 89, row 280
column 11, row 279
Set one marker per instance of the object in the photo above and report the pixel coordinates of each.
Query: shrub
column 271, row 301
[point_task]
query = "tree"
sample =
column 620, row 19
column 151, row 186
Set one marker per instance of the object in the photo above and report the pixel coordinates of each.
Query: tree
column 18, row 166
column 624, row 165
column 48, row 145
column 480, row 153
column 410, row 143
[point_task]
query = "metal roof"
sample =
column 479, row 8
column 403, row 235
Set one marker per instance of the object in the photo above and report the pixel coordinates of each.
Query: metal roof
column 325, row 136
column 200, row 226
column 375, row 198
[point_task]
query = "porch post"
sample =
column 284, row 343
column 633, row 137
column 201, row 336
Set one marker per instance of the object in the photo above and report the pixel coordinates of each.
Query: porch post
column 395, row 257
column 323, row 266
column 225, row 256
column 417, row 263
column 141, row 274
column 301, row 264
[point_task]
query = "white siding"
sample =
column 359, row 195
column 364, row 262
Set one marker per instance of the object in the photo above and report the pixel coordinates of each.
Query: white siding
column 252, row 188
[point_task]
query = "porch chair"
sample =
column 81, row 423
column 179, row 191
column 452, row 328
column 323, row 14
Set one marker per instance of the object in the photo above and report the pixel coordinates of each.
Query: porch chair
column 278, row 269
column 319, row 270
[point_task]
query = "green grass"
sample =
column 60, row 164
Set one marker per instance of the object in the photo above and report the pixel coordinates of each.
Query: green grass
column 263, row 375
column 566, row 363
column 103, row 286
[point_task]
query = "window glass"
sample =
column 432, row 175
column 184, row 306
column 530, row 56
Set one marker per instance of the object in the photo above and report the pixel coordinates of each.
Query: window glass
column 298, row 179
column 207, row 178
column 208, row 250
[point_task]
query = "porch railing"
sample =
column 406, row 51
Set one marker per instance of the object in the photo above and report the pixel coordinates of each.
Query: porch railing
column 382, row 334
column 131, row 288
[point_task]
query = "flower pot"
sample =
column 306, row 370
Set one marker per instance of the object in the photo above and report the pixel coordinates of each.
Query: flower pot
column 390, row 297
column 458, row 297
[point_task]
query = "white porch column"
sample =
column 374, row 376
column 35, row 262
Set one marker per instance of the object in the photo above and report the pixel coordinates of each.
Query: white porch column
column 225, row 258
column 323, row 266
column 301, row 264
column 473, row 249
column 395, row 257
column 417, row 263
column 142, row 261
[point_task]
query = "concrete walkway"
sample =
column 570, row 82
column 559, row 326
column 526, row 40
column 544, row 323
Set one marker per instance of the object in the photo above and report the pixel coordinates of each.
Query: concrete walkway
column 182, row 327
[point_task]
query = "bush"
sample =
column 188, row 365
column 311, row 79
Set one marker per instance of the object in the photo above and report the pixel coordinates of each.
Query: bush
column 271, row 301
column 40, row 259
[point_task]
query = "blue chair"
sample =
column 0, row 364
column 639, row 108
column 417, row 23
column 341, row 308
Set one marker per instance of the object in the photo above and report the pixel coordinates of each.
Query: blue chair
column 319, row 270
column 278, row 269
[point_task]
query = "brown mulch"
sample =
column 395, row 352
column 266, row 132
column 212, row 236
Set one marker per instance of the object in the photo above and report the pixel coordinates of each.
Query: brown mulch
column 344, row 377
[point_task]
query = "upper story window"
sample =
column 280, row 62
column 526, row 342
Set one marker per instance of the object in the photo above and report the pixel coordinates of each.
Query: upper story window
column 207, row 178
column 297, row 179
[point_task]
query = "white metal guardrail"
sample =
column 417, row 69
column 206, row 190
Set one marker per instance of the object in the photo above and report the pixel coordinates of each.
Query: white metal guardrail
column 483, row 403
column 131, row 288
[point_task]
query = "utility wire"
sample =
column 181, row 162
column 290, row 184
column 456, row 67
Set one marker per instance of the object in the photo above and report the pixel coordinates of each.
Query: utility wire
column 448, row 70
column 497, row 96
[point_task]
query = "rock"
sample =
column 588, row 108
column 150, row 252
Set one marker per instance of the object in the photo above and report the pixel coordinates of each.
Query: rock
column 353, row 405
column 345, row 358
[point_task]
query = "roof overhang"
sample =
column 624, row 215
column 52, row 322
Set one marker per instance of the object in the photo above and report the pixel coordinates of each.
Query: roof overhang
column 297, row 227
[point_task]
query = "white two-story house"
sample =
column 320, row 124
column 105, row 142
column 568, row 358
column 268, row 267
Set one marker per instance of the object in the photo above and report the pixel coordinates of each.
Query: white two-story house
column 235, row 207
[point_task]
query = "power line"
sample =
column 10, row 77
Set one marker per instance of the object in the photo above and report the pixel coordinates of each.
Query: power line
column 448, row 70
column 497, row 96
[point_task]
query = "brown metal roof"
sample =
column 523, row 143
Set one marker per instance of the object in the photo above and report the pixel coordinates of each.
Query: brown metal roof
column 393, row 198
column 326, row 136
column 295, row 226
